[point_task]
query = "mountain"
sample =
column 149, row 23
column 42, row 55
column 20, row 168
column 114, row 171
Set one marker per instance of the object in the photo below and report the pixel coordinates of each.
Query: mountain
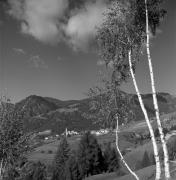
column 166, row 103
column 42, row 113
column 35, row 105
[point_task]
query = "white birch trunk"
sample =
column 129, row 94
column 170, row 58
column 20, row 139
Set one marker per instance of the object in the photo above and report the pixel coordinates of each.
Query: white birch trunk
column 155, row 102
column 155, row 148
column 121, row 156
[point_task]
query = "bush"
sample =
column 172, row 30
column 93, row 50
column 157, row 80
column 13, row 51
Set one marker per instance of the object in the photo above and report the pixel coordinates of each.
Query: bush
column 33, row 171
column 171, row 150
column 165, row 131
column 173, row 127
column 14, row 142
column 50, row 152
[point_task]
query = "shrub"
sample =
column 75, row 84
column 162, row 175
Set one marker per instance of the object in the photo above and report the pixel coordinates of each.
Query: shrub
column 50, row 152
column 33, row 171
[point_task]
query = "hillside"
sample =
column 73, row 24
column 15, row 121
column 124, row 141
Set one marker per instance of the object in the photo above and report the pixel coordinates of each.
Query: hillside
column 42, row 113
column 35, row 105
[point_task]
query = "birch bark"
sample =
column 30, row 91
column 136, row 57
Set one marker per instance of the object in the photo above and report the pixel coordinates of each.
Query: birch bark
column 121, row 156
column 155, row 148
column 155, row 102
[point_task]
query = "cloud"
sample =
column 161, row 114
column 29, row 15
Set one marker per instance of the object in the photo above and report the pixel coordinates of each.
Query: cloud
column 39, row 18
column 52, row 21
column 19, row 51
column 59, row 58
column 37, row 62
column 100, row 63
column 81, row 27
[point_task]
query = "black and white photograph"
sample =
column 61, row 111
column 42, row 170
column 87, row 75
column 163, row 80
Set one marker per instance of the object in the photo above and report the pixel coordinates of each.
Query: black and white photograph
column 87, row 89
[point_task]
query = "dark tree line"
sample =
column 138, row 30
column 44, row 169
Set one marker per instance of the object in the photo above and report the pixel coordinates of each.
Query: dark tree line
column 88, row 160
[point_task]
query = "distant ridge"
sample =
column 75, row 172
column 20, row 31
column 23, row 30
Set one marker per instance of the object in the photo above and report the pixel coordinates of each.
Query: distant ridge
column 41, row 113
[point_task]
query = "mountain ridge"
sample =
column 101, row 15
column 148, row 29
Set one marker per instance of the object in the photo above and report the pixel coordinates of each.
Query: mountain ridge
column 42, row 113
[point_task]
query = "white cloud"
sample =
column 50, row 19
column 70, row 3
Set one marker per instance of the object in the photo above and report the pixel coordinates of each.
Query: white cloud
column 81, row 27
column 59, row 58
column 100, row 62
column 39, row 18
column 50, row 21
column 19, row 51
column 37, row 62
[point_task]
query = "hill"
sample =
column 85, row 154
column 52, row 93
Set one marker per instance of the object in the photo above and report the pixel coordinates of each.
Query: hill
column 43, row 113
column 34, row 106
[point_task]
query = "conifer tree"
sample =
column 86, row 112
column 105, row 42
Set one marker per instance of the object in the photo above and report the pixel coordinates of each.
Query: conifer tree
column 90, row 156
column 111, row 159
column 72, row 168
column 60, row 160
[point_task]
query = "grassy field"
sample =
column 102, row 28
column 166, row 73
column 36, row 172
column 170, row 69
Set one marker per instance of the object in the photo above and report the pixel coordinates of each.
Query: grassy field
column 46, row 152
column 144, row 174
column 147, row 173
column 135, row 156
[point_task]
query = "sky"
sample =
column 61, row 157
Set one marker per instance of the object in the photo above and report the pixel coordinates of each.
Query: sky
column 47, row 49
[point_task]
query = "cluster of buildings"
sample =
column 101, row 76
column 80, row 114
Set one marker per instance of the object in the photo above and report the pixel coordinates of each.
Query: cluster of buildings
column 100, row 132
column 47, row 134
column 69, row 133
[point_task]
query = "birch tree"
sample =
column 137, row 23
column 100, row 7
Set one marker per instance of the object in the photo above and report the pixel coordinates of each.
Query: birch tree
column 109, row 106
column 121, row 40
column 155, row 102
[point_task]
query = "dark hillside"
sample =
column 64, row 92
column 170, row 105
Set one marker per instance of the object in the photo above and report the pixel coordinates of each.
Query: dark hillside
column 41, row 113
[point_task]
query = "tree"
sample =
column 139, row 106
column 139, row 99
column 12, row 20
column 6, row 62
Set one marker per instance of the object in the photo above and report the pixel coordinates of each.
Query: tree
column 72, row 168
column 111, row 158
column 14, row 143
column 121, row 39
column 111, row 106
column 33, row 171
column 155, row 102
column 90, row 156
column 60, row 160
column 106, row 101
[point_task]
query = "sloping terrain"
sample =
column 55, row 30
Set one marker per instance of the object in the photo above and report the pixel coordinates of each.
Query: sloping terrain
column 147, row 173
column 144, row 174
column 35, row 105
column 166, row 102
column 43, row 113
column 41, row 153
